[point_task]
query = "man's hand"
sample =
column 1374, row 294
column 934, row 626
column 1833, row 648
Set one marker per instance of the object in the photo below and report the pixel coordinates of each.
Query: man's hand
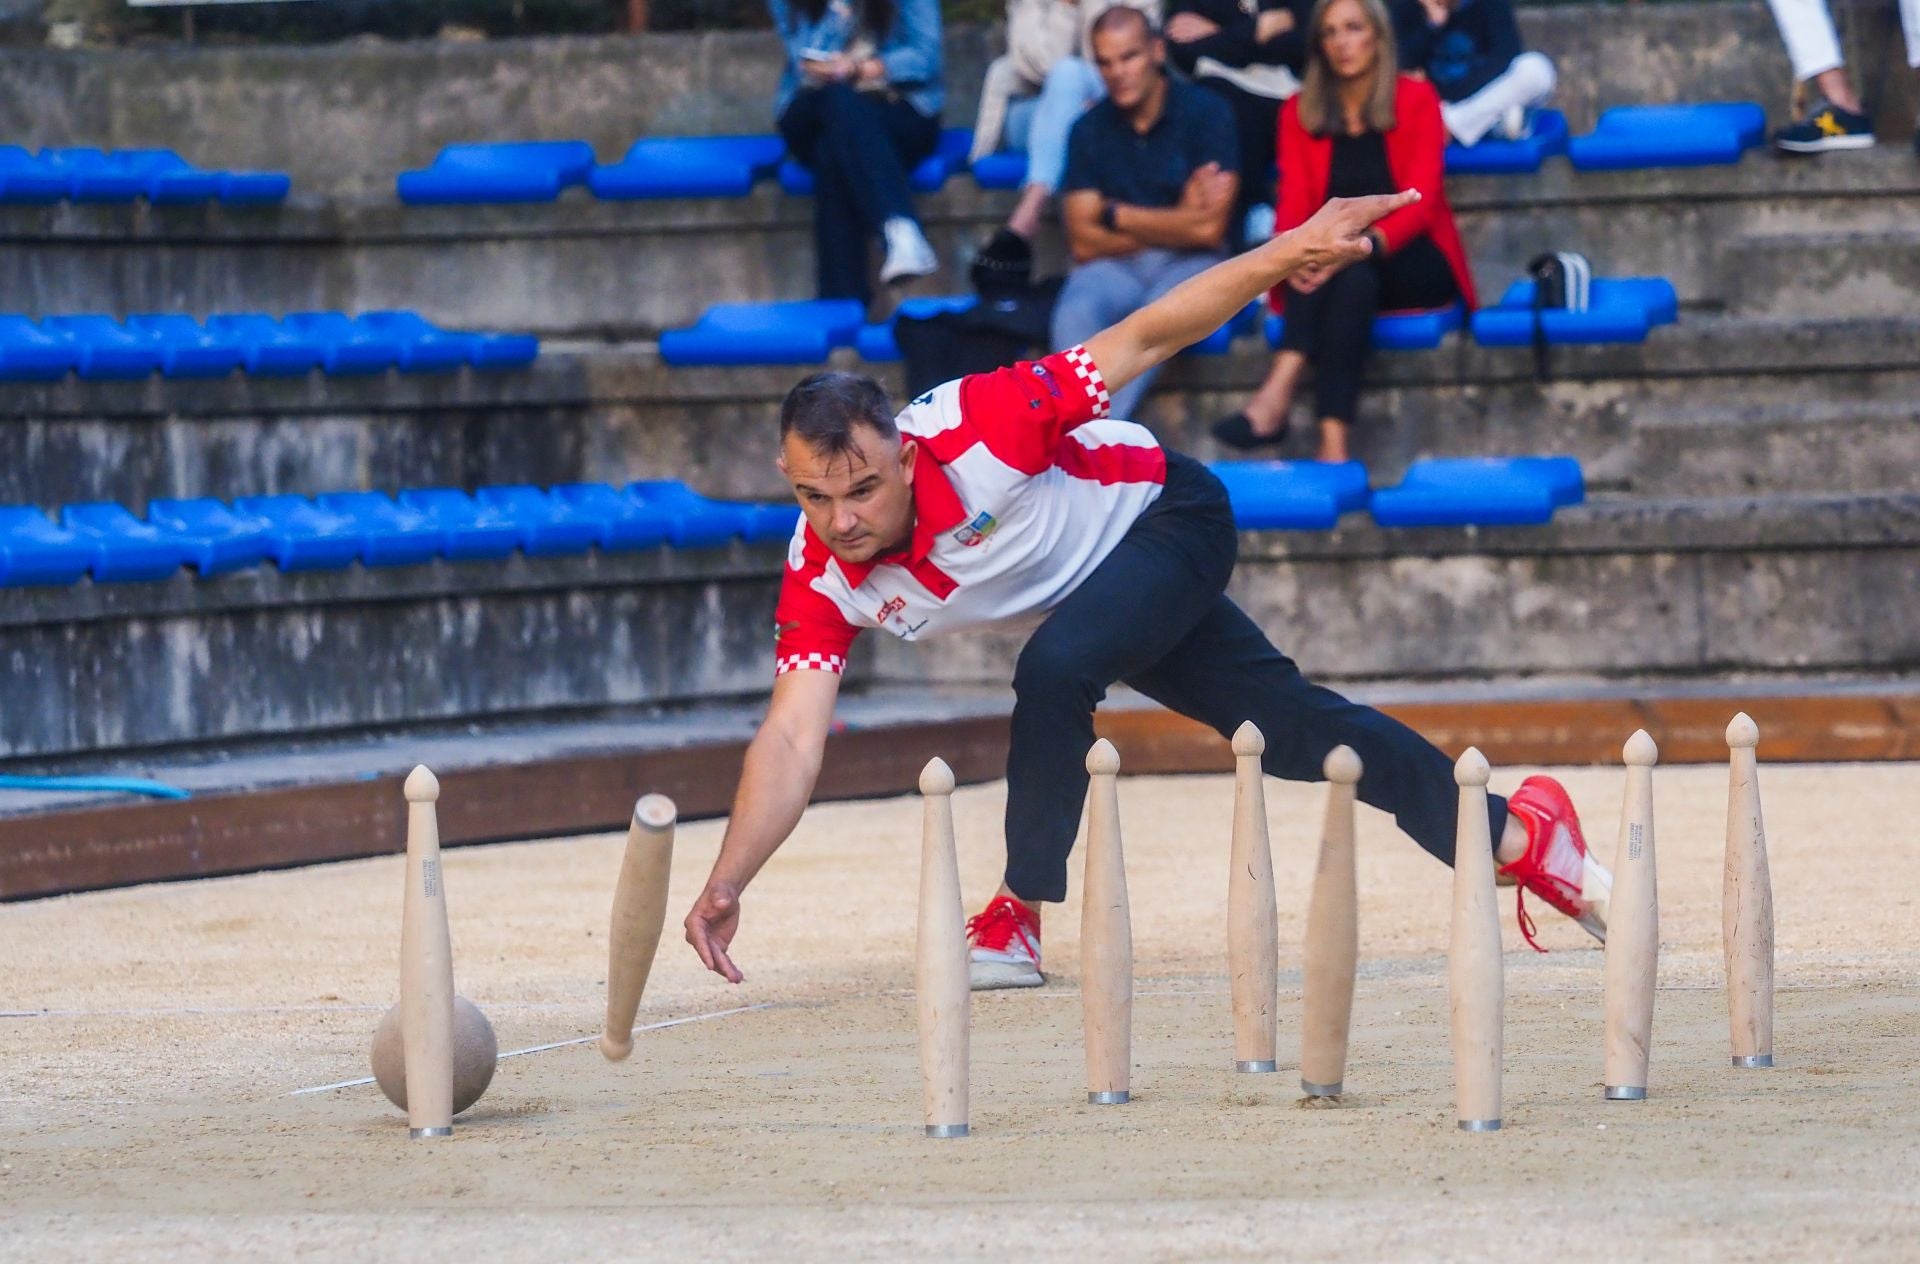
column 711, row 926
column 1185, row 28
column 1336, row 234
column 1208, row 188
column 1272, row 25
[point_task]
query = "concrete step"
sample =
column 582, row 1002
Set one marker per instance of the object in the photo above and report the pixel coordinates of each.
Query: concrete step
column 1870, row 445
column 616, row 413
column 1841, row 271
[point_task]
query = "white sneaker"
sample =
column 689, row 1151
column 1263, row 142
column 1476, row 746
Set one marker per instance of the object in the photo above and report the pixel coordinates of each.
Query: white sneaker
column 1005, row 951
column 909, row 253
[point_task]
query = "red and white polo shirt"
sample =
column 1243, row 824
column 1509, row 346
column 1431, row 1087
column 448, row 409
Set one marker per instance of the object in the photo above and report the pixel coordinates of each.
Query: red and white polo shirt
column 1022, row 486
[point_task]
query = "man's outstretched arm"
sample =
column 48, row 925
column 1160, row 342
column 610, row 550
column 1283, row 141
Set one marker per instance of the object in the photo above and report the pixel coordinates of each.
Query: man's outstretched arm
column 776, row 780
column 1331, row 239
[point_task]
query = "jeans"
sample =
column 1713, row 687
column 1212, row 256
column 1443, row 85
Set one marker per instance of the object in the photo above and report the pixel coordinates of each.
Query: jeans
column 1333, row 326
column 1806, row 27
column 1527, row 82
column 1099, row 293
column 1155, row 614
column 1038, row 125
column 860, row 147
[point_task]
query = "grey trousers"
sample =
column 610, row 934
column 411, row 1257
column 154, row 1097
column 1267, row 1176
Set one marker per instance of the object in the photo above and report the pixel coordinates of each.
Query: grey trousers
column 1102, row 292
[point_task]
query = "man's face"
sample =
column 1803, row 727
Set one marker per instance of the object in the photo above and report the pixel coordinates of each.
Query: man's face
column 1129, row 61
column 860, row 503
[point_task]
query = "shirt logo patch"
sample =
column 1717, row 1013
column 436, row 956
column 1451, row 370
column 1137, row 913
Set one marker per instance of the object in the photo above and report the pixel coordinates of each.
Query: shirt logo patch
column 976, row 532
column 1046, row 379
column 893, row 607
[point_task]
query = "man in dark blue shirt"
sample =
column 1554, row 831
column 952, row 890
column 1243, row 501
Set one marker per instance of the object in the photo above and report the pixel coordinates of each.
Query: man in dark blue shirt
column 1149, row 187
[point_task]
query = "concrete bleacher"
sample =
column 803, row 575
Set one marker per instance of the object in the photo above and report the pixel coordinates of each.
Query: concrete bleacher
column 1757, row 465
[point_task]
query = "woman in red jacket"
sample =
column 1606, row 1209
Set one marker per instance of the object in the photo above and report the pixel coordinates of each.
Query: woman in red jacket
column 1357, row 126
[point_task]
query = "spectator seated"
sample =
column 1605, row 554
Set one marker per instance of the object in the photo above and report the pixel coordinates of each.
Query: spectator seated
column 124, row 548
column 29, row 353
column 1638, row 136
column 798, row 332
column 949, row 156
column 215, row 538
column 1398, row 331
column 103, row 350
column 1480, row 491
column 1001, row 171
column 1292, row 495
column 35, row 551
column 1620, row 309
column 510, row 171
column 689, row 166
column 1495, row 157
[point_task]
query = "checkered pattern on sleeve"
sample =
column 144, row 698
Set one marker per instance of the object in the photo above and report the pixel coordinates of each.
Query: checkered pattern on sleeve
column 1088, row 374
column 809, row 662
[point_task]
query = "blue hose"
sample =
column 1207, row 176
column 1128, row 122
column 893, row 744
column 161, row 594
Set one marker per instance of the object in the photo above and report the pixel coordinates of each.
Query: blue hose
column 104, row 785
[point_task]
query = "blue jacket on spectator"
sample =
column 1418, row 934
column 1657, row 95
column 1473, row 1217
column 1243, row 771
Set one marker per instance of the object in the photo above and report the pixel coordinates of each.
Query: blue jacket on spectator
column 910, row 50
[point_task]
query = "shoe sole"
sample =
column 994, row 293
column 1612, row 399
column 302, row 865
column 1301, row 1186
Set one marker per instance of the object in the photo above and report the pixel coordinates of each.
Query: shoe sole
column 1590, row 922
column 1824, row 144
column 987, row 976
column 909, row 274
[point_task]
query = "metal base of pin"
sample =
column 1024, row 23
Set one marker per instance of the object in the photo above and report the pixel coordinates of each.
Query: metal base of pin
column 1257, row 1068
column 419, row 1134
column 1626, row 1093
column 1322, row 1090
column 1479, row 1125
column 1753, row 1060
column 1113, row 1098
column 946, row 1130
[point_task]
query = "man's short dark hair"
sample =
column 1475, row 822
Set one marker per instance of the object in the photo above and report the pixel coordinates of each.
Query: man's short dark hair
column 825, row 409
column 1121, row 17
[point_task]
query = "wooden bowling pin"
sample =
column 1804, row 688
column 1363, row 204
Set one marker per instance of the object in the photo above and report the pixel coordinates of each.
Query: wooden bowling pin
column 1476, row 982
column 639, row 911
column 426, row 969
column 1633, row 932
column 1333, row 938
column 1746, row 904
column 941, row 991
column 1106, row 937
column 1253, row 920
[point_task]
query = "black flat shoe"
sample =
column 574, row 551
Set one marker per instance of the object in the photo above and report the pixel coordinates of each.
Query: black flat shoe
column 1236, row 431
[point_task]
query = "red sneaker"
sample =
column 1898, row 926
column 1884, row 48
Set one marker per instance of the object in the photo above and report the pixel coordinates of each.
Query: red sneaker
column 1555, row 866
column 1005, row 941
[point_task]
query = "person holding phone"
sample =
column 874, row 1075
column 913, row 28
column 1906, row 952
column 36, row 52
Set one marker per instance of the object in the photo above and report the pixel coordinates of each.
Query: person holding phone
column 859, row 107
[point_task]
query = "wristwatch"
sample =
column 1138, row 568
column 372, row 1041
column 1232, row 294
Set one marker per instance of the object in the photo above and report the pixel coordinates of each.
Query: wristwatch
column 1108, row 210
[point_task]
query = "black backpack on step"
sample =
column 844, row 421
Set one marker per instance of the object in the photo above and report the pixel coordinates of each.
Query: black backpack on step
column 1561, row 281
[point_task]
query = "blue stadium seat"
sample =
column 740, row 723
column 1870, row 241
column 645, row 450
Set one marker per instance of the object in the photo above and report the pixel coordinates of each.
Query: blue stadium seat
column 875, row 343
column 1397, row 331
column 948, row 157
column 270, row 350
column 185, row 348
column 469, row 530
column 349, row 348
column 689, row 166
column 1220, row 341
column 800, row 332
column 625, row 522
column 166, row 178
column 695, row 521
column 424, row 347
column 1480, row 491
column 1292, row 495
column 1620, row 309
column 1642, row 136
column 1495, row 157
column 29, row 353
column 772, row 521
column 548, row 525
column 254, row 188
column 1001, row 171
column 35, row 551
column 26, row 179
column 92, row 175
column 215, row 538
column 103, row 351
column 301, row 536
column 510, row 171
column 124, row 548
column 390, row 534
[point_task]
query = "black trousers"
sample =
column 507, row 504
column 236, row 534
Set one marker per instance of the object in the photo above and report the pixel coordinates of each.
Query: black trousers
column 1333, row 326
column 1155, row 615
column 1255, row 125
column 861, row 147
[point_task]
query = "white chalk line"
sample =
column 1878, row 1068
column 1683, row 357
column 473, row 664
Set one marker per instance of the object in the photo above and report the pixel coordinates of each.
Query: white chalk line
column 190, row 1011
column 559, row 1044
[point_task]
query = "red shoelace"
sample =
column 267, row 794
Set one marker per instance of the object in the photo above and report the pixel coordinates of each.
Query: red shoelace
column 998, row 924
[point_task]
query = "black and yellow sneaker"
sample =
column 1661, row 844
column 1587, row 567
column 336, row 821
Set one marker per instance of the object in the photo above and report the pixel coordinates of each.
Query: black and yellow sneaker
column 1826, row 127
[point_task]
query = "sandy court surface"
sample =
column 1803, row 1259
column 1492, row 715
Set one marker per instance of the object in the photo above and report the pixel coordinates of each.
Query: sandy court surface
column 155, row 1034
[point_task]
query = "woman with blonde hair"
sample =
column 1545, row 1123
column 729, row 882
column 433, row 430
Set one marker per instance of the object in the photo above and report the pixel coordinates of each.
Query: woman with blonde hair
column 1357, row 126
